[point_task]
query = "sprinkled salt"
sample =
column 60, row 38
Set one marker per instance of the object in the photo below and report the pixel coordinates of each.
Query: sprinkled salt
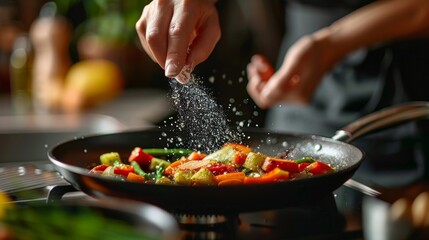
column 211, row 79
column 201, row 121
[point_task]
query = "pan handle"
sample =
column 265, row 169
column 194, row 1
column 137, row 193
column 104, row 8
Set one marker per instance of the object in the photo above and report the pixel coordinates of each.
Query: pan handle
column 382, row 119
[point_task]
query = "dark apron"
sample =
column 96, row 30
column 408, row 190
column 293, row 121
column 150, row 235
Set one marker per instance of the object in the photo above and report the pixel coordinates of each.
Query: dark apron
column 365, row 81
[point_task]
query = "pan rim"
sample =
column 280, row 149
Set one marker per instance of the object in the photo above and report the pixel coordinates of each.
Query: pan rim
column 85, row 172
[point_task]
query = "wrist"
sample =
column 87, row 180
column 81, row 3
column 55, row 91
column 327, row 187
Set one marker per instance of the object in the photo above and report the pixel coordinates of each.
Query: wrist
column 330, row 51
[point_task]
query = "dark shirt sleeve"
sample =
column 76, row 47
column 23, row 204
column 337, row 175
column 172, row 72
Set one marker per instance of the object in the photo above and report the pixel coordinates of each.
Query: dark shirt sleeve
column 350, row 4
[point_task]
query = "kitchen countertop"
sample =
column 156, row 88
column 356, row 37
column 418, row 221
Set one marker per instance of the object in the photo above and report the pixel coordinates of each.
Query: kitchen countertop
column 135, row 108
column 138, row 108
column 36, row 133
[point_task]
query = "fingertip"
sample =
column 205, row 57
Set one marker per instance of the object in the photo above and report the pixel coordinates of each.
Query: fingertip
column 172, row 70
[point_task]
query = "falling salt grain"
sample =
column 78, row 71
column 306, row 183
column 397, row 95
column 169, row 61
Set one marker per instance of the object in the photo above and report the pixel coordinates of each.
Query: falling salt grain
column 201, row 121
column 318, row 147
column 211, row 79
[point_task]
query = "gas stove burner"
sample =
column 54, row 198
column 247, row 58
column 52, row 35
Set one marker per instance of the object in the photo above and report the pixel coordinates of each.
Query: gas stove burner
column 208, row 226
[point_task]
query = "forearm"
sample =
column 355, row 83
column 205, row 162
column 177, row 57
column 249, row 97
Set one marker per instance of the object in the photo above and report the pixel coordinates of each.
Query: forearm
column 382, row 21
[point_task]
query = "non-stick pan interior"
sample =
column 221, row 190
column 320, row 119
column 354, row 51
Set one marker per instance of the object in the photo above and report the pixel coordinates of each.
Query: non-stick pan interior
column 74, row 158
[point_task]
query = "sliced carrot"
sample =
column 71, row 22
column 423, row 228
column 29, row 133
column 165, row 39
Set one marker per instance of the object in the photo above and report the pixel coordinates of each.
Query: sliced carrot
column 197, row 156
column 274, row 175
column 239, row 147
column 135, row 177
column 232, row 181
column 172, row 167
column 228, row 176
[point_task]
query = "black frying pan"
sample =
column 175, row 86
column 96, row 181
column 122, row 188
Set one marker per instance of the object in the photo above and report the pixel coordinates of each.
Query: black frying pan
column 72, row 159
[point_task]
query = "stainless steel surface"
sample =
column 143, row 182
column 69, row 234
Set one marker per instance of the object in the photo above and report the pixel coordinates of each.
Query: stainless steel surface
column 29, row 176
column 383, row 119
column 353, row 184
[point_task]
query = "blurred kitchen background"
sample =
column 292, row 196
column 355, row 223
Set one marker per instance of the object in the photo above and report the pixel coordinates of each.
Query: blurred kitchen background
column 73, row 67
column 47, row 50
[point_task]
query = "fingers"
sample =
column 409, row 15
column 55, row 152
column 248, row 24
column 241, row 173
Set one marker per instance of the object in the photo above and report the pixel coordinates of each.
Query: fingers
column 178, row 34
column 259, row 71
column 205, row 41
column 152, row 29
column 179, row 38
column 283, row 88
column 268, row 89
column 157, row 32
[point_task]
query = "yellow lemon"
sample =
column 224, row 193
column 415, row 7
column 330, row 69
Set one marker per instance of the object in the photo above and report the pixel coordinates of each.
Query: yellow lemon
column 5, row 202
column 91, row 82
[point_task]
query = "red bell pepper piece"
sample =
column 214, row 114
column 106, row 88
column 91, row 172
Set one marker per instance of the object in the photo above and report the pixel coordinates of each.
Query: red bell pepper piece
column 239, row 158
column 220, row 168
column 140, row 156
column 302, row 166
column 319, row 168
column 286, row 165
column 123, row 169
column 99, row 168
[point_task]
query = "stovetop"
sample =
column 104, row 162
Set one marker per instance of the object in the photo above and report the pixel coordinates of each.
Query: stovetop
column 336, row 216
column 343, row 214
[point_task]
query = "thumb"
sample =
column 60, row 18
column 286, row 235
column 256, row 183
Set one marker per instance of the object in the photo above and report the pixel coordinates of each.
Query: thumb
column 282, row 89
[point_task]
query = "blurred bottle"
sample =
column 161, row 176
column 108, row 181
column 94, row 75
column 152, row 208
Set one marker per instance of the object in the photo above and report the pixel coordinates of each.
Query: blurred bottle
column 50, row 36
column 9, row 30
column 21, row 63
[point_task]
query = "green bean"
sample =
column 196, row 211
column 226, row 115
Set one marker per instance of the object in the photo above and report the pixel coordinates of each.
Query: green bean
column 138, row 169
column 304, row 159
column 168, row 152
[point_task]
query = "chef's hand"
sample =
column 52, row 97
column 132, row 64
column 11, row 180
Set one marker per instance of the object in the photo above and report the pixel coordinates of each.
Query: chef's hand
column 297, row 79
column 179, row 34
